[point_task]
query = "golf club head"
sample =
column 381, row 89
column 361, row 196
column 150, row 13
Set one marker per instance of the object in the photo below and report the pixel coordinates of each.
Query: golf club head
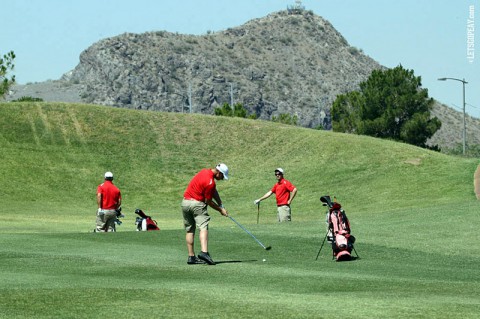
column 268, row 248
column 326, row 200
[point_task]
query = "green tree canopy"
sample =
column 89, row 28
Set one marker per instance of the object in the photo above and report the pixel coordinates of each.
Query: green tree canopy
column 6, row 65
column 285, row 119
column 238, row 110
column 390, row 104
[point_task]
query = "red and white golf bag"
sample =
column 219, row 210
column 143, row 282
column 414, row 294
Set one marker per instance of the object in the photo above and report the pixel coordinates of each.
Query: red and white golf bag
column 144, row 222
column 339, row 230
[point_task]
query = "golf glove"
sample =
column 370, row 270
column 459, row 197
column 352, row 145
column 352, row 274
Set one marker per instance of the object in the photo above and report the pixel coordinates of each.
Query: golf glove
column 256, row 202
column 99, row 210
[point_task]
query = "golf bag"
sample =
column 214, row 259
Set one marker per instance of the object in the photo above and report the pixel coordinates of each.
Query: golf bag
column 144, row 222
column 117, row 220
column 338, row 230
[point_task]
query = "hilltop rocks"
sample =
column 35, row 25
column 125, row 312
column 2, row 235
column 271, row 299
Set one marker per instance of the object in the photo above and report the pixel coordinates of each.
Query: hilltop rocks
column 282, row 63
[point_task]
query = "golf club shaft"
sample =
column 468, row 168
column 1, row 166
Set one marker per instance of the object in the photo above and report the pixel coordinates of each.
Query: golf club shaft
column 258, row 212
column 246, row 230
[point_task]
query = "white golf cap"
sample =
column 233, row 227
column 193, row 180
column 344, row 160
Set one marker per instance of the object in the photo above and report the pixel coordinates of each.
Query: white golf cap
column 222, row 168
column 108, row 175
column 280, row 170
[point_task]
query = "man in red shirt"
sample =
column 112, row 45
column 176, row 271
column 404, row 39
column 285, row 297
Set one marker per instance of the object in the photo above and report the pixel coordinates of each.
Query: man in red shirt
column 109, row 199
column 284, row 192
column 200, row 192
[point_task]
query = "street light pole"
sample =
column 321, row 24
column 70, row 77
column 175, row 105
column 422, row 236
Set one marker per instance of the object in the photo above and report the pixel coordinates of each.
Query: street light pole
column 464, row 123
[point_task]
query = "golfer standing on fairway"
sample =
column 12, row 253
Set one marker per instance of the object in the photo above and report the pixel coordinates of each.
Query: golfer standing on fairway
column 109, row 199
column 200, row 192
column 284, row 192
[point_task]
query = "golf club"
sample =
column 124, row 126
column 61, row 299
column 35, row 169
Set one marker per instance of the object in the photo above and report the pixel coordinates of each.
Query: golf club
column 239, row 225
column 258, row 212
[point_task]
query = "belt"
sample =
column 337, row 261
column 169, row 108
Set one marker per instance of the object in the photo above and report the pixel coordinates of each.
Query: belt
column 185, row 198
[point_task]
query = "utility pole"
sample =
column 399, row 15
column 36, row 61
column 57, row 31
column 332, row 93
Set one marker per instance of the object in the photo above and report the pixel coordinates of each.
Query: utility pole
column 190, row 96
column 464, row 122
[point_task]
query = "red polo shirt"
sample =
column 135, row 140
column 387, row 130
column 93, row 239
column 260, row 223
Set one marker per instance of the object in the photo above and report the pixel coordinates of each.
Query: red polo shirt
column 110, row 195
column 282, row 191
column 201, row 186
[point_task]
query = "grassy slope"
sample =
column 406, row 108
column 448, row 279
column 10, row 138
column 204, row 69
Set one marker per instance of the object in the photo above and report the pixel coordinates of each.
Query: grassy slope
column 413, row 211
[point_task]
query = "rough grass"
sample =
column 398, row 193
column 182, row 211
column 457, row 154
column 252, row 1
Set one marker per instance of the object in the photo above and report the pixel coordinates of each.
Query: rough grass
column 413, row 211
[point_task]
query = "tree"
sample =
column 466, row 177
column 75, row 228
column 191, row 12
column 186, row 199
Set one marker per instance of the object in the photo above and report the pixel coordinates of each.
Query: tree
column 237, row 111
column 285, row 119
column 6, row 65
column 390, row 104
column 28, row 99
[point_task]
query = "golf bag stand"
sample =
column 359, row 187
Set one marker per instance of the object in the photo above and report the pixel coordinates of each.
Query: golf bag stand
column 144, row 222
column 323, row 242
column 338, row 231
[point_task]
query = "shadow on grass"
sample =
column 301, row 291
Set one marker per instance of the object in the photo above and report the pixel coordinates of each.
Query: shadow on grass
column 352, row 258
column 235, row 261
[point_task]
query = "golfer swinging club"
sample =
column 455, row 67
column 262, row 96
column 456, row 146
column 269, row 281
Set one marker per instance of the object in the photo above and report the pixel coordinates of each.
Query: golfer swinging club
column 284, row 192
column 200, row 192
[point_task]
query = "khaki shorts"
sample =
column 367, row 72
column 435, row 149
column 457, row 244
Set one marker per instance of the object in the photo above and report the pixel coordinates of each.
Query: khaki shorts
column 195, row 215
column 106, row 220
column 284, row 213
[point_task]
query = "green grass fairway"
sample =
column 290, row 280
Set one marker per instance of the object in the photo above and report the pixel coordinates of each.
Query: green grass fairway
column 413, row 212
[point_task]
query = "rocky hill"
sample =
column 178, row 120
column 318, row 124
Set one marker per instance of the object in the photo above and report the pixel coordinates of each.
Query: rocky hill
column 285, row 63
column 282, row 63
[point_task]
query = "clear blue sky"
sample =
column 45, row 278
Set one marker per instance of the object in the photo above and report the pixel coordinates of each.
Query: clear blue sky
column 429, row 37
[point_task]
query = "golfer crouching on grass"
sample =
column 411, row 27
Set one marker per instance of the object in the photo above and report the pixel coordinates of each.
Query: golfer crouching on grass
column 200, row 192
column 109, row 199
